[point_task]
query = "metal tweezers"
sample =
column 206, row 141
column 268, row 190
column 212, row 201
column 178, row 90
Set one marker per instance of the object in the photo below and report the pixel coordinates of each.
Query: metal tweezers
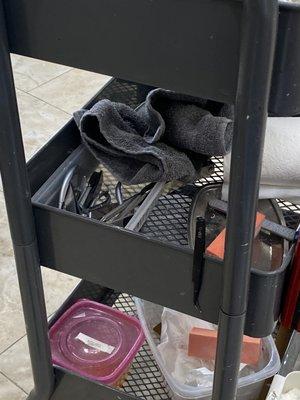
column 127, row 207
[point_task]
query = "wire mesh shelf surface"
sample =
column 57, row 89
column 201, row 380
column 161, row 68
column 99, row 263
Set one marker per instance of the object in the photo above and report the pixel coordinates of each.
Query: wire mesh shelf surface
column 144, row 379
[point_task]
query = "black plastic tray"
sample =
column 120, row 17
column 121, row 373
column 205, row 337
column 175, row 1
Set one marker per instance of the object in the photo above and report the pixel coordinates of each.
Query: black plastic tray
column 285, row 93
column 138, row 263
column 187, row 46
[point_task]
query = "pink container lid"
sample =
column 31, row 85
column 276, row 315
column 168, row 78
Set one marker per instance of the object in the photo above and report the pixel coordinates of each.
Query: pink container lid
column 95, row 341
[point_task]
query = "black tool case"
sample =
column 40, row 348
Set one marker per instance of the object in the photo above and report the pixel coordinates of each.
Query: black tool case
column 223, row 50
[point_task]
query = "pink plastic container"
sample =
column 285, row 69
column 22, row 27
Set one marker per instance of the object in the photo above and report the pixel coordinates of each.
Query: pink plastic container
column 96, row 341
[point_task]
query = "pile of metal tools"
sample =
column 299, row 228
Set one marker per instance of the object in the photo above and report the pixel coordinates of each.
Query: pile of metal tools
column 90, row 198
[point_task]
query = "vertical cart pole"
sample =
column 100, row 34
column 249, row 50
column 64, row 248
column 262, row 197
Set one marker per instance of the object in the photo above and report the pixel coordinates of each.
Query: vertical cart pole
column 19, row 209
column 259, row 27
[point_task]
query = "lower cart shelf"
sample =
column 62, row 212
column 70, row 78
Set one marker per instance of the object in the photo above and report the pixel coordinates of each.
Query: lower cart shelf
column 144, row 380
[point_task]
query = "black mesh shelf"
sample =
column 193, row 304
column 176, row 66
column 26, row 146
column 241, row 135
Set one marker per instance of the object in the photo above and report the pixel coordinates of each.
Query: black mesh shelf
column 67, row 242
column 133, row 94
column 144, row 379
column 169, row 219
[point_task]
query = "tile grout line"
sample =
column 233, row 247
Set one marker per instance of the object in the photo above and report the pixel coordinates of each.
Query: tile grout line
column 52, row 79
column 13, row 382
column 11, row 345
column 26, row 76
column 64, row 111
column 43, row 101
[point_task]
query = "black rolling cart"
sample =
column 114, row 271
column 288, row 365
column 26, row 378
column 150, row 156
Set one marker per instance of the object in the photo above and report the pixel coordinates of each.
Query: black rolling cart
column 239, row 52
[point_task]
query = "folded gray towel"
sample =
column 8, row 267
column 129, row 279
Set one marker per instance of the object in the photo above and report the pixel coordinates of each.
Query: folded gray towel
column 114, row 133
column 185, row 123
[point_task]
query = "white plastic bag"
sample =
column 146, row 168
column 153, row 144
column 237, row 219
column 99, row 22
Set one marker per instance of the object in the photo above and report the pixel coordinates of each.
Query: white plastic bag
column 173, row 348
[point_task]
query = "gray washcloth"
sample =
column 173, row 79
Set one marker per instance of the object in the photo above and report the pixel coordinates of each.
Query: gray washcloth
column 183, row 122
column 113, row 132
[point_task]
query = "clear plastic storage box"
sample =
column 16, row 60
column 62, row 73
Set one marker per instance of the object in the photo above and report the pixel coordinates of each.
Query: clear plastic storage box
column 249, row 387
column 96, row 341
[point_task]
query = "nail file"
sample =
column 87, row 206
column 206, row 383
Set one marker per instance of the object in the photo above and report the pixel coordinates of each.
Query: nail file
column 270, row 226
column 217, row 247
column 203, row 344
column 150, row 201
column 198, row 261
column 140, row 216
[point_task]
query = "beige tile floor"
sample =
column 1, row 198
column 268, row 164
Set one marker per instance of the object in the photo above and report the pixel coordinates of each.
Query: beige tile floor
column 47, row 95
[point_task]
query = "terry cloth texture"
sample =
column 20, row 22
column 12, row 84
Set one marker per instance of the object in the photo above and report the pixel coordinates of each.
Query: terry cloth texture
column 186, row 123
column 147, row 145
column 113, row 132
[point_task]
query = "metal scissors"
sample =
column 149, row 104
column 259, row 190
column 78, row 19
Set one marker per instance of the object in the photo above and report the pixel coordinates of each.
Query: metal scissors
column 93, row 196
column 85, row 198
column 127, row 207
column 67, row 189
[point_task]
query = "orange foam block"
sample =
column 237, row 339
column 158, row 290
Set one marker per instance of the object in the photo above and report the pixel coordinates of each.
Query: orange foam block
column 217, row 247
column 203, row 344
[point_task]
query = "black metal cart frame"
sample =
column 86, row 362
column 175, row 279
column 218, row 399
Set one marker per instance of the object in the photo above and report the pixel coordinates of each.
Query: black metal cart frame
column 188, row 55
